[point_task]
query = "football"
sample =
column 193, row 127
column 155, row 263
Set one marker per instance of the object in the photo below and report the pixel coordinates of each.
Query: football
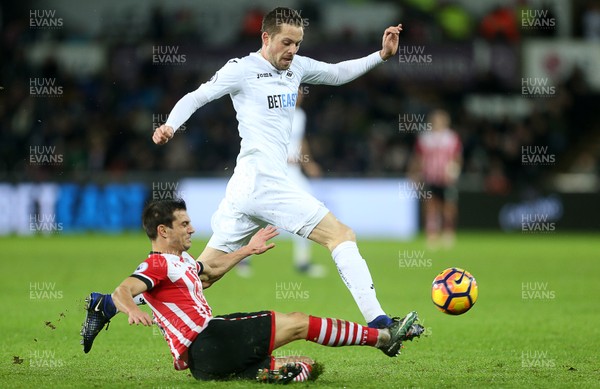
column 454, row 291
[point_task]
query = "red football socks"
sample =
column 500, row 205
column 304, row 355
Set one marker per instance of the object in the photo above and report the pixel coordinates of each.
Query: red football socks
column 335, row 332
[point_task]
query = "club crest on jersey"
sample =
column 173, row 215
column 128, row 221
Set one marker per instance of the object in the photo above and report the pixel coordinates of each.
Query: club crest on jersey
column 289, row 74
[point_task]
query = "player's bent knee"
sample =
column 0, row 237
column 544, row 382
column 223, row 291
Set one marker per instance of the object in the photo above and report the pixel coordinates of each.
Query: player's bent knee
column 298, row 317
column 299, row 323
column 291, row 326
column 343, row 234
column 349, row 234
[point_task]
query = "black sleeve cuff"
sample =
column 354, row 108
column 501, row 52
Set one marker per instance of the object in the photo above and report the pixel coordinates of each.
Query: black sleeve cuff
column 201, row 267
column 144, row 280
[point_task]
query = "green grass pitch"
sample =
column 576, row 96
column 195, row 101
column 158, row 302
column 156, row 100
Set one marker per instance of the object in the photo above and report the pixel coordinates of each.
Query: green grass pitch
column 536, row 323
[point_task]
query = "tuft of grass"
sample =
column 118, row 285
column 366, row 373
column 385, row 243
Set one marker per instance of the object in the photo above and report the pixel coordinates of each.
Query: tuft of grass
column 317, row 370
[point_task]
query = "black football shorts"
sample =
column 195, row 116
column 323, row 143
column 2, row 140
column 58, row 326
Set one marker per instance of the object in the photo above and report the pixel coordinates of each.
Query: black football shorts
column 233, row 346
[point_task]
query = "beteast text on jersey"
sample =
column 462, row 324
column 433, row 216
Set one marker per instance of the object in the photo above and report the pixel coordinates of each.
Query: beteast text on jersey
column 287, row 100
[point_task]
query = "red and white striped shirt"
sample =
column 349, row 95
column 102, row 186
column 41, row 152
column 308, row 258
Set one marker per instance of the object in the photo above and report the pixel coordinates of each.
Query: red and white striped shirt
column 437, row 150
column 175, row 296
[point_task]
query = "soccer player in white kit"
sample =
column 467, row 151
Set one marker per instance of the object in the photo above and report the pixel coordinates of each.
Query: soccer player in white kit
column 263, row 87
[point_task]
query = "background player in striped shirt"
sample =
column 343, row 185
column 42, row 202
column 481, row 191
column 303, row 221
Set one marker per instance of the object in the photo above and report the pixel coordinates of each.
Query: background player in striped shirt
column 437, row 163
column 238, row 345
column 263, row 87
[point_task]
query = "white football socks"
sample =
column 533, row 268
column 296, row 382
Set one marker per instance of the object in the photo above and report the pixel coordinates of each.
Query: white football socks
column 355, row 273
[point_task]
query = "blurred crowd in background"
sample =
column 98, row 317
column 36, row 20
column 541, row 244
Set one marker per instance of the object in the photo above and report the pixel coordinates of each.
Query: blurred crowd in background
column 102, row 123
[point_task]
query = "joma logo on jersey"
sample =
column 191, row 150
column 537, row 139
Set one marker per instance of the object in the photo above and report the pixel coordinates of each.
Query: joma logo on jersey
column 263, row 75
column 287, row 100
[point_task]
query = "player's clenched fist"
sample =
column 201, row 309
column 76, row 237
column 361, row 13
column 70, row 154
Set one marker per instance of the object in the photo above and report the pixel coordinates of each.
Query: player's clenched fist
column 162, row 134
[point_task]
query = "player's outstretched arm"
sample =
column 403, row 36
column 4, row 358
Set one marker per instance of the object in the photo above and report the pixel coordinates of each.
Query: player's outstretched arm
column 225, row 81
column 215, row 268
column 316, row 72
column 123, row 299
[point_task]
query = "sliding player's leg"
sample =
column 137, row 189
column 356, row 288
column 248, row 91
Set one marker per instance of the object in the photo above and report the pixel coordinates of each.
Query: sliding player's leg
column 330, row 332
column 240, row 345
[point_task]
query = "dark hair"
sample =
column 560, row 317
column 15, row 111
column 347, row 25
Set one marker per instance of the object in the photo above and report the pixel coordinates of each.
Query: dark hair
column 159, row 212
column 272, row 21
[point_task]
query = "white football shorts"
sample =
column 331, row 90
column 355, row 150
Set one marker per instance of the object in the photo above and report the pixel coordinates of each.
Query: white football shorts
column 258, row 197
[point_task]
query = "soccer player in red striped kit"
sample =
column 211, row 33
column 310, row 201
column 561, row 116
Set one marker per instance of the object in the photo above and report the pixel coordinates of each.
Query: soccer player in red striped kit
column 238, row 345
column 437, row 163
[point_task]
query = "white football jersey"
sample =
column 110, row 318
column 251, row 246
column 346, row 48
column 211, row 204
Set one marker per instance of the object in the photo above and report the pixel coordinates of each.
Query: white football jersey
column 264, row 99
